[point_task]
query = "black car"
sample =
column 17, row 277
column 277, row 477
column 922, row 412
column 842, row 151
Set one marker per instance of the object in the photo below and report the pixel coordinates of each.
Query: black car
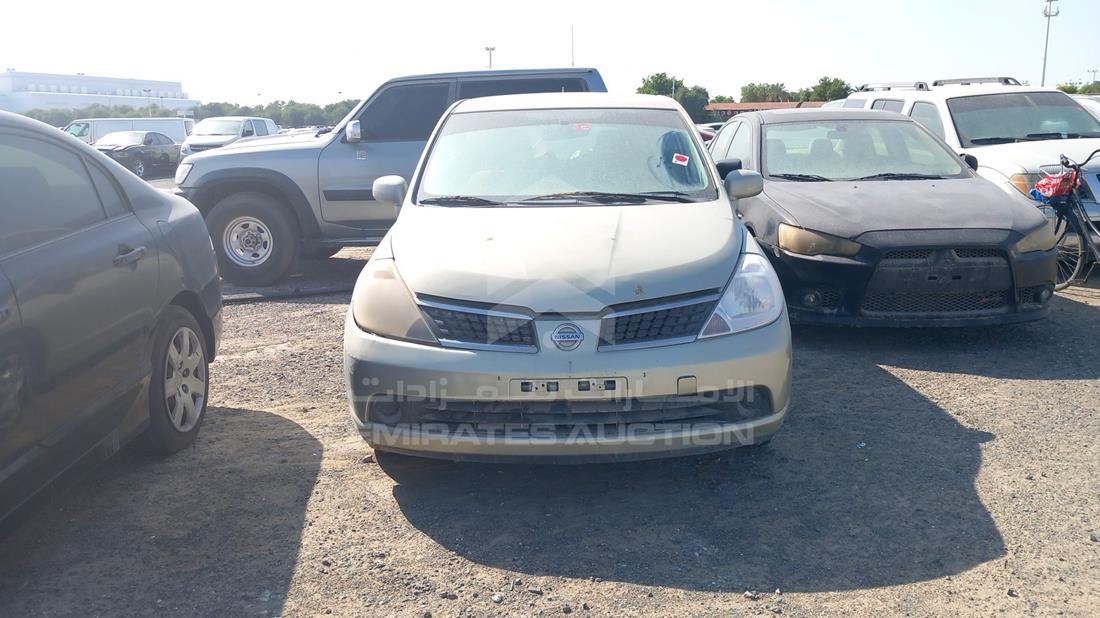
column 110, row 310
column 141, row 151
column 869, row 219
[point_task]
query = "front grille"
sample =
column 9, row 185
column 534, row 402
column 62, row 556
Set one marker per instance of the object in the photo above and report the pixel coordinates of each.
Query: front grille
column 977, row 253
column 667, row 322
column 201, row 147
column 938, row 303
column 908, row 254
column 830, row 299
column 732, row 405
column 480, row 328
column 1030, row 295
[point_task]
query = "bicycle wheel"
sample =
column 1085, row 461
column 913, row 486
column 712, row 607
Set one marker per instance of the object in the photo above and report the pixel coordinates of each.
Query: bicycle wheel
column 1071, row 256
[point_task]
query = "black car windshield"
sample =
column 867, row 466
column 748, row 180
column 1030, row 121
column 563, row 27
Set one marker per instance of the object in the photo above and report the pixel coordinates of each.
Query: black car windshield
column 546, row 157
column 217, row 126
column 848, row 149
column 987, row 119
column 121, row 138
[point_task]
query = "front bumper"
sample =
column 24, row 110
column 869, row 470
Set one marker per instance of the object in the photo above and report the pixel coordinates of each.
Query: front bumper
column 377, row 368
column 847, row 291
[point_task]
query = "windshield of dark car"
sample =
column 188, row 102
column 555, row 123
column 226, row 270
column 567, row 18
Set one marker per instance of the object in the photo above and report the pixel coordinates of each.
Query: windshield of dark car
column 515, row 155
column 214, row 126
column 1003, row 118
column 855, row 148
column 77, row 129
column 121, row 138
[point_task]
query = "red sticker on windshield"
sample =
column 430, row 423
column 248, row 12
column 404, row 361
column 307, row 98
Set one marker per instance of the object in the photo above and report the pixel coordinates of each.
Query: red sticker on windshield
column 583, row 126
column 680, row 159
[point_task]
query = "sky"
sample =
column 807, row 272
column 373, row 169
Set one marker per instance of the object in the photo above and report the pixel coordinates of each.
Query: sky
column 326, row 50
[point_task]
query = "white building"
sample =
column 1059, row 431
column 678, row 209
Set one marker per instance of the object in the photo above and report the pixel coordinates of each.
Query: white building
column 20, row 92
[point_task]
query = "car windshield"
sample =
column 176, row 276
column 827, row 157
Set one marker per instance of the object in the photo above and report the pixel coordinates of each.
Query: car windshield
column 77, row 129
column 556, row 156
column 121, row 138
column 988, row 119
column 217, row 126
column 824, row 150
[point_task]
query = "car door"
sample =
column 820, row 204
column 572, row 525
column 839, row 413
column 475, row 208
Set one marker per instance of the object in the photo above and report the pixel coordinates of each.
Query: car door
column 84, row 272
column 17, row 429
column 396, row 123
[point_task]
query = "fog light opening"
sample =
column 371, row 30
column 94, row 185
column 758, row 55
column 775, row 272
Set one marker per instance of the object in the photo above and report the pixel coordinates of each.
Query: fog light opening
column 811, row 299
column 1045, row 294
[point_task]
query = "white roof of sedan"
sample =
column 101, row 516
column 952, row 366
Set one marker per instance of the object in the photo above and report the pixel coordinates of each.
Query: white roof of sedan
column 557, row 100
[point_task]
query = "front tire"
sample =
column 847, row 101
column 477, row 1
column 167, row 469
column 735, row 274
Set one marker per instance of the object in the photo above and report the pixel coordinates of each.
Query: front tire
column 255, row 237
column 138, row 167
column 180, row 382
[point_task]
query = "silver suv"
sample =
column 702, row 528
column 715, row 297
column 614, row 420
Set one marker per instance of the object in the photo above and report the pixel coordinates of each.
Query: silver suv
column 269, row 200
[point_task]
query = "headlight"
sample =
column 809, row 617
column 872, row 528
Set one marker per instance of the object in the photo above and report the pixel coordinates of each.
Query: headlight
column 752, row 299
column 381, row 304
column 181, row 172
column 1041, row 239
column 1024, row 182
column 185, row 150
column 809, row 242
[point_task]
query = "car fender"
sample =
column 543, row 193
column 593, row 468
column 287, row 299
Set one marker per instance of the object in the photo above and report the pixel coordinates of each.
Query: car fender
column 216, row 184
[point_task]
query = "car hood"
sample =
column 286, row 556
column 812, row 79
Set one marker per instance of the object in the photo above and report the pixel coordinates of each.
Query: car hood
column 1028, row 157
column 566, row 259
column 849, row 209
column 112, row 147
column 262, row 145
column 210, row 140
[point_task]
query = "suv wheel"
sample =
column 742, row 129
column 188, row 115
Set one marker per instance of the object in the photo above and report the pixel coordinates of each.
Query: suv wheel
column 179, row 389
column 255, row 237
column 138, row 167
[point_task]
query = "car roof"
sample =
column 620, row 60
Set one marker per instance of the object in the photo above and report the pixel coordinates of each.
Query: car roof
column 778, row 116
column 557, row 100
column 950, row 91
column 493, row 73
column 19, row 121
column 235, row 118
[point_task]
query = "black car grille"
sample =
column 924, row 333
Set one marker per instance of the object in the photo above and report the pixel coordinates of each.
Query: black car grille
column 201, row 147
column 963, row 253
column 940, row 303
column 673, row 322
column 908, row 254
column 1030, row 295
column 480, row 328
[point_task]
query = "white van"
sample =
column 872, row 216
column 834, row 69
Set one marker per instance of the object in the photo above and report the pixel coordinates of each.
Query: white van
column 90, row 130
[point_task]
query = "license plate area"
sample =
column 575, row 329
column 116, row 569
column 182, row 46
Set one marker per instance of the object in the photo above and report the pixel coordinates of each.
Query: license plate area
column 568, row 388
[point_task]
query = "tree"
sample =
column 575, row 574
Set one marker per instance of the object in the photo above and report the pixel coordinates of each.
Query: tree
column 721, row 98
column 1093, row 88
column 756, row 93
column 804, row 94
column 693, row 99
column 284, row 113
column 829, row 89
column 1068, row 88
column 662, row 84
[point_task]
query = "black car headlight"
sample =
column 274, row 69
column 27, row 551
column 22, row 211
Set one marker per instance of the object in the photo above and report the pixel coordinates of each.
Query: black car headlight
column 753, row 298
column 808, row 242
column 381, row 304
column 1042, row 239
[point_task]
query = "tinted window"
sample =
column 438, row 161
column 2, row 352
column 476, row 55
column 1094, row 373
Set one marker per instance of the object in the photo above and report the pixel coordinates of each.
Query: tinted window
column 404, row 113
column 928, row 115
column 108, row 192
column 248, row 130
column 150, row 140
column 261, row 127
column 494, row 87
column 888, row 105
column 741, row 147
column 1006, row 118
column 45, row 192
column 858, row 103
column 163, row 139
column 721, row 142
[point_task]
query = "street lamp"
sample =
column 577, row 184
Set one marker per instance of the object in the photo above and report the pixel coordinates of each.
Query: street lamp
column 1048, row 11
column 148, row 99
column 490, row 50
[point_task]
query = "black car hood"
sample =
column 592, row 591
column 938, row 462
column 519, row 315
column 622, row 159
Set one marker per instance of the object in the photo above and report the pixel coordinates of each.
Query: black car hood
column 851, row 208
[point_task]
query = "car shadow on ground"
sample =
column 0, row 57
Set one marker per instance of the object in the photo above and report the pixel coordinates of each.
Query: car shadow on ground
column 331, row 275
column 868, row 484
column 212, row 530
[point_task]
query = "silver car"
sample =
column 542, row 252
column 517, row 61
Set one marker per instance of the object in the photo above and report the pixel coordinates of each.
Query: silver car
column 567, row 282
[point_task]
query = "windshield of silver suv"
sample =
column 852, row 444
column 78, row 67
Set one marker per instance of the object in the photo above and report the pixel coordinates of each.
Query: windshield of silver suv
column 987, row 119
column 828, row 150
column 214, row 126
column 565, row 156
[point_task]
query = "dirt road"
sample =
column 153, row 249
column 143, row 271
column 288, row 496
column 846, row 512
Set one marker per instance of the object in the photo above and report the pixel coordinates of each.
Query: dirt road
column 921, row 473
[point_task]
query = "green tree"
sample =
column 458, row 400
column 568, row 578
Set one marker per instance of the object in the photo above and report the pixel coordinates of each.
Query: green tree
column 1093, row 88
column 1068, row 88
column 804, row 94
column 662, row 84
column 829, row 89
column 756, row 93
column 721, row 98
column 695, row 101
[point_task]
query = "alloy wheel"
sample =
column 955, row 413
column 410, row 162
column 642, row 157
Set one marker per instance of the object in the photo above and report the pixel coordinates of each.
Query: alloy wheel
column 185, row 379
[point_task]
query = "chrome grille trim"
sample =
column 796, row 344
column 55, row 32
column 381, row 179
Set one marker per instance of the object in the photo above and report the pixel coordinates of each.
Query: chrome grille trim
column 607, row 322
column 460, row 344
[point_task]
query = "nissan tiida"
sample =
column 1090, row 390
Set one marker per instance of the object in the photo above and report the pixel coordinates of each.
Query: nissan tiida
column 567, row 282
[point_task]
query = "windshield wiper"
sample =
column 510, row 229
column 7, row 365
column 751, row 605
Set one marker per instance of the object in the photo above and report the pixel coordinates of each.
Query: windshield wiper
column 900, row 176
column 1062, row 135
column 598, row 197
column 802, row 177
column 459, row 200
column 997, row 140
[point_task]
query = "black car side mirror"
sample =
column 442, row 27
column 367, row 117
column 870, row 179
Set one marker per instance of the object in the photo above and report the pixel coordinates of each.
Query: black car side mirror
column 247, row 133
column 725, row 166
column 970, row 160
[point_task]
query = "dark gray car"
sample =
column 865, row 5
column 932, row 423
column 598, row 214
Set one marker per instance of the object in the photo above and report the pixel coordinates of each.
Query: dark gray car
column 110, row 310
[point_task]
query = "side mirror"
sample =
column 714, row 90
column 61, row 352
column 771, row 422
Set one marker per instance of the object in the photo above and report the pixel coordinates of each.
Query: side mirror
column 741, row 183
column 970, row 160
column 390, row 190
column 725, row 166
column 353, row 132
column 247, row 133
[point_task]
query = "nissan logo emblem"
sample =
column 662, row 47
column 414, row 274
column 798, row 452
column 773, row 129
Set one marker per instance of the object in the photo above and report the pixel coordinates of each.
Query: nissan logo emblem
column 567, row 337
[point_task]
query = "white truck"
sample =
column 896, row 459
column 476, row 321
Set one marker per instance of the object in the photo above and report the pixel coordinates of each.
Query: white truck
column 89, row 130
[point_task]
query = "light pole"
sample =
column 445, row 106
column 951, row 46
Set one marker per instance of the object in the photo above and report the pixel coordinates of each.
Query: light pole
column 148, row 99
column 490, row 50
column 1094, row 72
column 1048, row 11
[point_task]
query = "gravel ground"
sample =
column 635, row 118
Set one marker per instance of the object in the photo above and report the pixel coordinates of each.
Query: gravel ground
column 921, row 473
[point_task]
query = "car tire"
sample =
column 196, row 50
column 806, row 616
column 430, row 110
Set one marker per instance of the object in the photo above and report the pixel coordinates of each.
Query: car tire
column 255, row 237
column 180, row 363
column 319, row 253
column 138, row 167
